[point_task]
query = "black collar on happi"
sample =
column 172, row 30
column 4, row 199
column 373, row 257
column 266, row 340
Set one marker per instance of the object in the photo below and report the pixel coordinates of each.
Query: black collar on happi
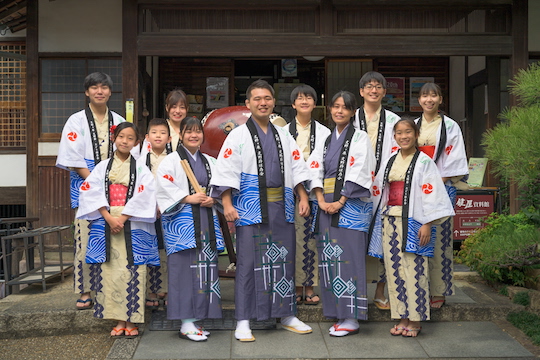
column 380, row 132
column 94, row 135
column 294, row 133
column 127, row 224
column 442, row 138
column 261, row 172
column 196, row 209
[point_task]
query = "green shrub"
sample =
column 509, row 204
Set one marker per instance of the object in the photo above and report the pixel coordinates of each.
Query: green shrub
column 527, row 322
column 503, row 290
column 504, row 249
column 522, row 298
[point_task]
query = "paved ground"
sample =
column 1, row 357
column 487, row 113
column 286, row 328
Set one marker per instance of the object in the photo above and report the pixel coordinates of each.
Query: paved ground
column 471, row 326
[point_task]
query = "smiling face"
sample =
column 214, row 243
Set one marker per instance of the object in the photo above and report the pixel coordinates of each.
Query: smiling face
column 304, row 104
column 430, row 102
column 405, row 136
column 261, row 104
column 341, row 115
column 373, row 93
column 177, row 112
column 98, row 94
column 192, row 138
column 125, row 140
column 158, row 137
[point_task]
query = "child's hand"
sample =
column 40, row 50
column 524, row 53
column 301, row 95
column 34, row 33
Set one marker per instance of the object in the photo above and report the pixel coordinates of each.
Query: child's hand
column 195, row 199
column 424, row 234
column 115, row 224
column 208, row 202
column 303, row 207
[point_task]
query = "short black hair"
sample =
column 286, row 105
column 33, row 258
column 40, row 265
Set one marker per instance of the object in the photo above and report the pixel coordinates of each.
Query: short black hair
column 369, row 77
column 157, row 122
column 259, row 84
column 97, row 78
column 124, row 125
column 348, row 98
column 303, row 89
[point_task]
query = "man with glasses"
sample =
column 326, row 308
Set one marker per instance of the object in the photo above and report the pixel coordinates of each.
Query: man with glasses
column 379, row 124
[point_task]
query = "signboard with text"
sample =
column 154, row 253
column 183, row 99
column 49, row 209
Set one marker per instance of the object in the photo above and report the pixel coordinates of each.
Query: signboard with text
column 471, row 208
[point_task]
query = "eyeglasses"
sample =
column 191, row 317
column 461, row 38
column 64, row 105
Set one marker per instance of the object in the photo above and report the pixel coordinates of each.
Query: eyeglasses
column 370, row 86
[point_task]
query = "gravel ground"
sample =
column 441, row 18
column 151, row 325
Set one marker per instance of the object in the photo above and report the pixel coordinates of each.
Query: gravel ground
column 68, row 347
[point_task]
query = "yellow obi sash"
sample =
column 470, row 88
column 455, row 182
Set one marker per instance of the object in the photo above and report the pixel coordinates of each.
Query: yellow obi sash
column 329, row 185
column 274, row 194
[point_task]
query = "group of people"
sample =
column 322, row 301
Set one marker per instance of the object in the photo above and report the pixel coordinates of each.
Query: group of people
column 312, row 207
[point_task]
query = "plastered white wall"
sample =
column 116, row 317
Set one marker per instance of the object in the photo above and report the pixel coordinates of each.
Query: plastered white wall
column 48, row 148
column 15, row 174
column 80, row 26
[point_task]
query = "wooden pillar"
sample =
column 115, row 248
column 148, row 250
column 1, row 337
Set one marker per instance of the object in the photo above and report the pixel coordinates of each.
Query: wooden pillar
column 130, row 63
column 32, row 110
column 519, row 60
column 493, row 66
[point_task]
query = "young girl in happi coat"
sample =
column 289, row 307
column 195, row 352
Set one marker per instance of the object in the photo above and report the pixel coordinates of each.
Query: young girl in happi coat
column 441, row 138
column 118, row 198
column 192, row 234
column 341, row 177
column 409, row 197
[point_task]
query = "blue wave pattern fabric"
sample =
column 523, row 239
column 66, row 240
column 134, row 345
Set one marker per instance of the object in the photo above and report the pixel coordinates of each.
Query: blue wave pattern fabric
column 356, row 215
column 413, row 242
column 75, row 182
column 247, row 202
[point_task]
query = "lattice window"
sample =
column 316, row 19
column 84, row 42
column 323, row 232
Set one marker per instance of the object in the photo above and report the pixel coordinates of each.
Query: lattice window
column 12, row 97
column 62, row 89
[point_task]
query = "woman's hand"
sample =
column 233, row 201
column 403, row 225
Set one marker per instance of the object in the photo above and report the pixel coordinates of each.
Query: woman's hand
column 195, row 199
column 424, row 234
column 208, row 202
column 334, row 207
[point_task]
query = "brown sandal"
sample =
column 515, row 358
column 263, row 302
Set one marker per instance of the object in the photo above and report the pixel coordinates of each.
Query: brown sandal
column 309, row 299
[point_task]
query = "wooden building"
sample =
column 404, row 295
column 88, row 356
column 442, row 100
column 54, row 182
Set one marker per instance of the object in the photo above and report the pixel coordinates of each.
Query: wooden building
column 470, row 47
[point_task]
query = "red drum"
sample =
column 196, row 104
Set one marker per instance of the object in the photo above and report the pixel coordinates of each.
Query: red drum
column 218, row 124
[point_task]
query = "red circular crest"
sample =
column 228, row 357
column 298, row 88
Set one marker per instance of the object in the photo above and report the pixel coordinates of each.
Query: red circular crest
column 449, row 149
column 395, row 148
column 427, row 188
column 227, row 153
column 376, row 191
column 141, row 188
column 72, row 136
column 168, row 177
column 85, row 186
column 149, row 147
column 296, row 154
column 351, row 161
column 314, row 164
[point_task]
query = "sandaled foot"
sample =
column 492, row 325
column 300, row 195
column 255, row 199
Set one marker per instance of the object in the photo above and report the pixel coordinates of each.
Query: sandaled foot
column 342, row 331
column 299, row 299
column 397, row 330
column 131, row 333
column 152, row 304
column 244, row 335
column 312, row 299
column 84, row 304
column 411, row 332
column 292, row 323
column 382, row 304
column 118, row 332
column 192, row 335
column 436, row 302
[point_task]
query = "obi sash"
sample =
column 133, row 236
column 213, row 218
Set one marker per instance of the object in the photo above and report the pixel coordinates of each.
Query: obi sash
column 429, row 150
column 396, row 193
column 117, row 194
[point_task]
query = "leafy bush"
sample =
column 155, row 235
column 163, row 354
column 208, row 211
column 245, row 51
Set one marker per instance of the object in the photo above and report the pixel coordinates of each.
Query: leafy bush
column 527, row 322
column 504, row 249
column 503, row 290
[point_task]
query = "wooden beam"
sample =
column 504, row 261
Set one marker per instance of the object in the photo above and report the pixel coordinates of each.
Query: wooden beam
column 230, row 3
column 32, row 110
column 13, row 195
column 346, row 46
column 4, row 14
column 130, row 62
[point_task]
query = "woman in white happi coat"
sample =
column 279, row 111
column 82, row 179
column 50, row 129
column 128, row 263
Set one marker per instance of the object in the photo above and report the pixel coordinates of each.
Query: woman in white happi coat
column 309, row 135
column 192, row 234
column 341, row 176
column 119, row 200
column 408, row 197
column 441, row 138
column 84, row 143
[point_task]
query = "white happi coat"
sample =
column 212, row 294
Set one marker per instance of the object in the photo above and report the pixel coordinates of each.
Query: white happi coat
column 172, row 187
column 453, row 160
column 141, row 207
column 236, row 168
column 76, row 150
column 429, row 201
column 389, row 143
column 321, row 133
column 360, row 169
